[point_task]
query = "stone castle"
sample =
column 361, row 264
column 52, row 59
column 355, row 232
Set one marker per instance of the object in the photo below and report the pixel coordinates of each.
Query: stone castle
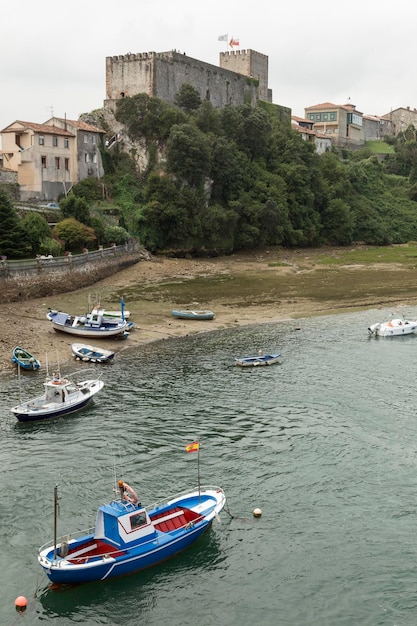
column 241, row 78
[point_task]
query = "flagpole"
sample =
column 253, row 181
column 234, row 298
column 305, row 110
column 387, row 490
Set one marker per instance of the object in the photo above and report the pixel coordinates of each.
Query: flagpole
column 198, row 471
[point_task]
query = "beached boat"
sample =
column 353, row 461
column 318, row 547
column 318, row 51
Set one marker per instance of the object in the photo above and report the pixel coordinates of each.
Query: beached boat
column 259, row 359
column 193, row 315
column 83, row 352
column 129, row 537
column 24, row 359
column 61, row 396
column 93, row 325
column 394, row 328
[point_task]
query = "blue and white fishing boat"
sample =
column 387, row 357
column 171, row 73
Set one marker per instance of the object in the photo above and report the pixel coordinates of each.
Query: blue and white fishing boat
column 94, row 325
column 61, row 396
column 129, row 537
column 24, row 359
column 259, row 359
column 193, row 315
column 84, row 352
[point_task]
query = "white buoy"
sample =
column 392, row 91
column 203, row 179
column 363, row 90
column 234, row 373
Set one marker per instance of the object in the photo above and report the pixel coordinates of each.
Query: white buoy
column 257, row 512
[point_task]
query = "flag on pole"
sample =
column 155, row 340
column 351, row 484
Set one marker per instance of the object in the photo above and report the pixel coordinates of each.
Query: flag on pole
column 233, row 42
column 193, row 447
column 223, row 37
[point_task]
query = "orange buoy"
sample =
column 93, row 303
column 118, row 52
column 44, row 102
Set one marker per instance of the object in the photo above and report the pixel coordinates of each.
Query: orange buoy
column 20, row 603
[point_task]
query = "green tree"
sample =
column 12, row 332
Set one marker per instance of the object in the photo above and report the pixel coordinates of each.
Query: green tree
column 11, row 243
column 36, row 230
column 207, row 118
column 147, row 117
column 76, row 207
column 188, row 154
column 74, row 234
column 187, row 98
column 116, row 234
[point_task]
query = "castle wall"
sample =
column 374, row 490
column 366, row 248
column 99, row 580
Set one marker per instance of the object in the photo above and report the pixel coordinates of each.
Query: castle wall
column 161, row 75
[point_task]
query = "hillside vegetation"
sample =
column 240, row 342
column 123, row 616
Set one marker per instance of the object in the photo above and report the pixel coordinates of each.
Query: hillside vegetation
column 218, row 181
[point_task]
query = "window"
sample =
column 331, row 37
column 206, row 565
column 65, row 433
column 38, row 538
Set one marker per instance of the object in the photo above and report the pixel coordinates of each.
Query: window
column 93, row 138
column 58, row 163
column 66, row 143
column 137, row 520
column 86, row 157
column 66, row 163
column 43, row 161
column 333, row 116
column 85, row 138
column 94, row 158
column 41, row 140
column 55, row 141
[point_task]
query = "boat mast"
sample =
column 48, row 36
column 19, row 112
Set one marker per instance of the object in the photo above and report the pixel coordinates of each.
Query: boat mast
column 55, row 517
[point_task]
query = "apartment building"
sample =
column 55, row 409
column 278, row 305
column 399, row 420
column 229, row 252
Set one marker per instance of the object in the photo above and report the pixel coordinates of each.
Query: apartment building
column 50, row 158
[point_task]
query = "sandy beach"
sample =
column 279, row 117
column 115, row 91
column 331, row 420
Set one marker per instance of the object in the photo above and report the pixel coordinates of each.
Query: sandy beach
column 25, row 323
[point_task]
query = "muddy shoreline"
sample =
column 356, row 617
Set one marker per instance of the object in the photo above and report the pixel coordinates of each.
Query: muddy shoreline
column 242, row 289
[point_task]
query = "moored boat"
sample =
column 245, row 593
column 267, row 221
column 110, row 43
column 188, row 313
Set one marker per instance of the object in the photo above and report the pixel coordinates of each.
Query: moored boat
column 24, row 359
column 193, row 315
column 259, row 359
column 394, row 328
column 61, row 396
column 84, row 352
column 129, row 537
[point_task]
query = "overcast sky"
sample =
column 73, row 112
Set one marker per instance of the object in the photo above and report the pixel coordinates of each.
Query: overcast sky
column 52, row 59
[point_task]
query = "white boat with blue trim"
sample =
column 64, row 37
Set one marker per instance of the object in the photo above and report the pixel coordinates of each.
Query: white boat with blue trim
column 92, row 354
column 129, row 537
column 61, row 397
column 94, row 325
column 259, row 359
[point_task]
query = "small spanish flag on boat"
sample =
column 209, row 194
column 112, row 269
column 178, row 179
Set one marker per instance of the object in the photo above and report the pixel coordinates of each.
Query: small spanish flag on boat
column 193, row 447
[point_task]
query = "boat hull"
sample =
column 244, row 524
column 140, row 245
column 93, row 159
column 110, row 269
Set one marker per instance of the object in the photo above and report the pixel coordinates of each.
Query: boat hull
column 33, row 415
column 193, row 315
column 125, row 564
column 90, row 333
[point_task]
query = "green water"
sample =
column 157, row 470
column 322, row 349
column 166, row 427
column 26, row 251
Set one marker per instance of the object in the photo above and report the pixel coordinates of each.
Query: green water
column 324, row 443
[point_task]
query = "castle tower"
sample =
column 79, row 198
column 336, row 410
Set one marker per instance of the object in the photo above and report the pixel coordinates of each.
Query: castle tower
column 249, row 63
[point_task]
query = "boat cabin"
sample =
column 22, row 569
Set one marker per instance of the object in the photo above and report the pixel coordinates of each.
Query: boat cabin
column 58, row 389
column 122, row 523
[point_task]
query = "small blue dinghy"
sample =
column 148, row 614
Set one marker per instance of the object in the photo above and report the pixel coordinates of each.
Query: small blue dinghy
column 24, row 359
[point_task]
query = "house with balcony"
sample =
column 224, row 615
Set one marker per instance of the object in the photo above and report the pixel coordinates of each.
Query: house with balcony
column 341, row 122
column 50, row 158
